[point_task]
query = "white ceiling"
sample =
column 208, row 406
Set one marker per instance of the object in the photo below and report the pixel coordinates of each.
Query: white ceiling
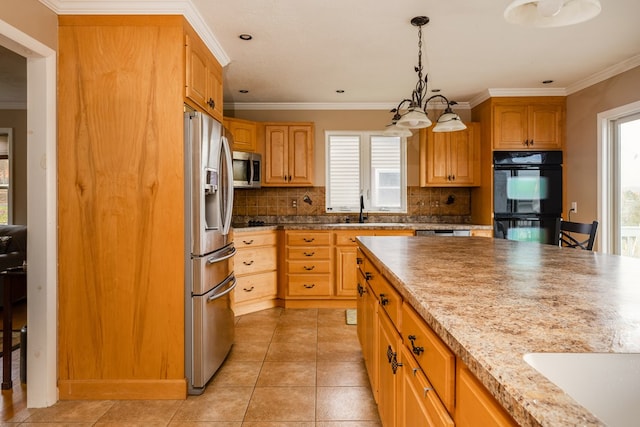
column 303, row 51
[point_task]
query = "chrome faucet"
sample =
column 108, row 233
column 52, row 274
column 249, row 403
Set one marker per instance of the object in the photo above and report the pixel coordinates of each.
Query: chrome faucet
column 361, row 218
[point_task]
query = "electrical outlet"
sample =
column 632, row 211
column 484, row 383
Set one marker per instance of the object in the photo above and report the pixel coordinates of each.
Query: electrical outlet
column 574, row 207
column 294, row 203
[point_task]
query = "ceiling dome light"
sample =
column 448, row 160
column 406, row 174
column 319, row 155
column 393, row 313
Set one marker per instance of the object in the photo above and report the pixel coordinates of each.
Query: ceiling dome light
column 551, row 13
column 394, row 130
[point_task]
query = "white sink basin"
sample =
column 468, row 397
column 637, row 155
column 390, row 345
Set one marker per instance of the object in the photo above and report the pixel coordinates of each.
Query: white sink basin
column 607, row 384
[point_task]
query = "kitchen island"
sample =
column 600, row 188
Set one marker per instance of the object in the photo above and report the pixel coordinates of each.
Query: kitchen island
column 492, row 301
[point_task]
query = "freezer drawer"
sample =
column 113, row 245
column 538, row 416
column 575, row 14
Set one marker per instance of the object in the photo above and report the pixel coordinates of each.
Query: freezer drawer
column 213, row 332
column 210, row 269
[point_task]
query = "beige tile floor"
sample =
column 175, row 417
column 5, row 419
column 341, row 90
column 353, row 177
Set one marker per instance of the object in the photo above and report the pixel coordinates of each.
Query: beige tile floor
column 288, row 368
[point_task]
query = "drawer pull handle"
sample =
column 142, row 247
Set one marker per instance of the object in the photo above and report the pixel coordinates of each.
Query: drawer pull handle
column 415, row 371
column 384, row 300
column 309, row 253
column 389, row 353
column 308, row 240
column 361, row 290
column 426, row 389
column 247, row 242
column 247, row 263
column 359, row 260
column 353, row 239
column 309, row 268
column 247, row 290
column 368, row 276
column 416, row 350
column 309, row 285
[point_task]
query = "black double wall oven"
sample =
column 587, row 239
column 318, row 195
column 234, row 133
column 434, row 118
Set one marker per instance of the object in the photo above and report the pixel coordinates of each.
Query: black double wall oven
column 527, row 194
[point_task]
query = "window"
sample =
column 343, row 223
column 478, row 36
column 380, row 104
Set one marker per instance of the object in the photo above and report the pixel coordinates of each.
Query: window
column 367, row 164
column 5, row 176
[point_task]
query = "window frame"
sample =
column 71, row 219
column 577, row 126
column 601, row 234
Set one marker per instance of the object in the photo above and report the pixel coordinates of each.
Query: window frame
column 9, row 157
column 365, row 175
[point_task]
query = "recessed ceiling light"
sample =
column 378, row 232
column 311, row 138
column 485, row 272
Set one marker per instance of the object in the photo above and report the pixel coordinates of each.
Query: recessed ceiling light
column 245, row 37
column 340, row 91
column 546, row 82
column 243, row 91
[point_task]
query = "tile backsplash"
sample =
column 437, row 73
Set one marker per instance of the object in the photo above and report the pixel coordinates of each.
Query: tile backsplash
column 288, row 205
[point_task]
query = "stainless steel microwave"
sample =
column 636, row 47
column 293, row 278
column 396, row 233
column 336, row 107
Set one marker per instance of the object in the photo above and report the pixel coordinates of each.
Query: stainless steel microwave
column 247, row 169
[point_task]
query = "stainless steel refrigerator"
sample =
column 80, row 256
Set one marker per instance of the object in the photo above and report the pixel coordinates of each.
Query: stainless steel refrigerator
column 209, row 279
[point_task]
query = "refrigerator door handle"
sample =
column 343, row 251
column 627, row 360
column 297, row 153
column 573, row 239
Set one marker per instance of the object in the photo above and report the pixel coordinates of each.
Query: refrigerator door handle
column 231, row 251
column 228, row 288
column 228, row 209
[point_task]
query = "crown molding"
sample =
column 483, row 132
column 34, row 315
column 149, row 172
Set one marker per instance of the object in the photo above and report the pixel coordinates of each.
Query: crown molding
column 605, row 74
column 143, row 7
column 320, row 106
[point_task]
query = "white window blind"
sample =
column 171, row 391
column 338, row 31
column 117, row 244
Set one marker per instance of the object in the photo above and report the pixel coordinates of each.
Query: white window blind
column 367, row 164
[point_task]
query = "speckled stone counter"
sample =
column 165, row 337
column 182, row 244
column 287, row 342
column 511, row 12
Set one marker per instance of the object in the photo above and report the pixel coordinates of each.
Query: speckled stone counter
column 492, row 301
column 364, row 226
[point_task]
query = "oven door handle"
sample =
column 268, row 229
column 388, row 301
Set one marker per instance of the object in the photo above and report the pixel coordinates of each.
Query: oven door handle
column 228, row 285
column 230, row 252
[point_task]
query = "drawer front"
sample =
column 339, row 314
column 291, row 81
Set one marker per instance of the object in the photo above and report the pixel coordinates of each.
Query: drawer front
column 309, row 266
column 420, row 401
column 389, row 299
column 250, row 240
column 255, row 260
column 302, row 285
column 348, row 238
column 307, row 238
column 433, row 356
column 256, row 286
column 309, row 253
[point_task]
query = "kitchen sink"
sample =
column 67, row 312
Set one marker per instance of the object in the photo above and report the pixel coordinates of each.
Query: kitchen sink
column 607, row 384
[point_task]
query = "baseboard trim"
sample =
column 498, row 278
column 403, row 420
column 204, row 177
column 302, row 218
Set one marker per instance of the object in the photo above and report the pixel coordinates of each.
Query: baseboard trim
column 320, row 303
column 122, row 389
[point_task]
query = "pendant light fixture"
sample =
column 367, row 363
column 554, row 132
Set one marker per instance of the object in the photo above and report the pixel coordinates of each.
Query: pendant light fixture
column 551, row 13
column 411, row 113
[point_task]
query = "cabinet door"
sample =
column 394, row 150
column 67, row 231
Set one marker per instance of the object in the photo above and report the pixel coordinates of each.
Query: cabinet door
column 546, row 126
column 418, row 404
column 463, row 161
column 510, row 124
column 388, row 354
column 214, row 90
column 346, row 271
column 275, row 165
column 437, row 161
column 196, row 72
column 244, row 134
column 300, row 155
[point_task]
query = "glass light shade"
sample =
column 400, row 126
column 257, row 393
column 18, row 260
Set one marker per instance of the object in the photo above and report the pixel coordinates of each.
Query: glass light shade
column 416, row 118
column 449, row 122
column 393, row 130
column 545, row 13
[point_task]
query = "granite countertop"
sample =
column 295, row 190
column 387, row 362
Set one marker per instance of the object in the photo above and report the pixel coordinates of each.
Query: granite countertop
column 493, row 300
column 359, row 226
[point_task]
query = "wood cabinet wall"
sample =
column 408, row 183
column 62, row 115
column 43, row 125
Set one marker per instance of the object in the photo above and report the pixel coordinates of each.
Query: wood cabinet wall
column 511, row 123
column 203, row 76
column 244, row 134
column 121, row 90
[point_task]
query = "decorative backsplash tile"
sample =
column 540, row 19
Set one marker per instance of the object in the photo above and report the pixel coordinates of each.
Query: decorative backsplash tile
column 307, row 205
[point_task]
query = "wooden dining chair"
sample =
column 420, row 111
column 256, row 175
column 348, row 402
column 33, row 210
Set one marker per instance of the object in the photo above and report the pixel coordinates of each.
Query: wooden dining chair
column 575, row 234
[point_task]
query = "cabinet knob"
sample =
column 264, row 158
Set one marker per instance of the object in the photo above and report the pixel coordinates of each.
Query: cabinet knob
column 383, row 299
column 368, row 276
column 211, row 103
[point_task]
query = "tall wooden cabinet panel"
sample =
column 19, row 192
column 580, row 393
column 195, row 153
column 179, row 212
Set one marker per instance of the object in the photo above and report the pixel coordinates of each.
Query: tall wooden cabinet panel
column 289, row 154
column 244, row 134
column 120, row 207
column 528, row 124
column 450, row 159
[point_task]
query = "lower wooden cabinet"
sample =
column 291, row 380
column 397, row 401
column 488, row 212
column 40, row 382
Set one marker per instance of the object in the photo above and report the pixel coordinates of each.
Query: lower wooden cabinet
column 255, row 267
column 416, row 379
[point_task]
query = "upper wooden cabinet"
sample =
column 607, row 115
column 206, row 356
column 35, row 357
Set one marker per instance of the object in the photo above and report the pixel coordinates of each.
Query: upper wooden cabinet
column 289, row 156
column 244, row 134
column 450, row 159
column 528, row 123
column 203, row 76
